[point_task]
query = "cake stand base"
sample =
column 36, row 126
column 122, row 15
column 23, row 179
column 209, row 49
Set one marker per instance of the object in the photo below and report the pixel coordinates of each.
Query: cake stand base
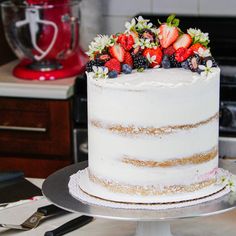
column 149, row 222
column 153, row 228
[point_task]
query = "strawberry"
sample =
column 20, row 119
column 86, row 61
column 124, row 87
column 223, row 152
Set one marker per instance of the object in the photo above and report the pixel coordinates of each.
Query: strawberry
column 184, row 41
column 104, row 57
column 127, row 41
column 168, row 32
column 182, row 54
column 113, row 64
column 150, row 52
column 169, row 51
column 196, row 46
column 128, row 59
column 118, row 52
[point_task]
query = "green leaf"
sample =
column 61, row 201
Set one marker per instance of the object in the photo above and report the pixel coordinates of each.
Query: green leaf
column 170, row 19
column 140, row 69
column 175, row 22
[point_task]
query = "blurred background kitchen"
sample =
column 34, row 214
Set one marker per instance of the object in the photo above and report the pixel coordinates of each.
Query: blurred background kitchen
column 43, row 124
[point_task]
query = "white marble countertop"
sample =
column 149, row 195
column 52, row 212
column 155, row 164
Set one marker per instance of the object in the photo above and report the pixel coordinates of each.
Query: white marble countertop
column 223, row 224
column 11, row 86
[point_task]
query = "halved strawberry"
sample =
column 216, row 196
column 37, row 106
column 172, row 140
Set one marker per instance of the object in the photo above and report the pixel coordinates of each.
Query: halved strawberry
column 196, row 46
column 118, row 52
column 104, row 57
column 113, row 64
column 156, row 53
column 183, row 41
column 127, row 41
column 128, row 59
column 168, row 35
column 169, row 51
column 182, row 54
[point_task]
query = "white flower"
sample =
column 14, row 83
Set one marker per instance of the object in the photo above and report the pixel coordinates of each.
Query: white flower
column 99, row 72
column 144, row 43
column 198, row 36
column 232, row 183
column 203, row 52
column 151, row 59
column 143, row 23
column 99, row 44
column 130, row 26
column 206, row 69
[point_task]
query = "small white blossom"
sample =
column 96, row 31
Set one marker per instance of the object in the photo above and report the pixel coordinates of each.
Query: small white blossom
column 203, row 52
column 144, row 43
column 143, row 23
column 130, row 26
column 206, row 69
column 150, row 58
column 99, row 72
column 99, row 44
column 198, row 36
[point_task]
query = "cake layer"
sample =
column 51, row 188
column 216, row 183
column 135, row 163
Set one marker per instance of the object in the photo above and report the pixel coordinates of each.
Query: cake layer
column 155, row 98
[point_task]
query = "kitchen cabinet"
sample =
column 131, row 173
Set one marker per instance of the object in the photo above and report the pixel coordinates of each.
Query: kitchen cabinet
column 35, row 128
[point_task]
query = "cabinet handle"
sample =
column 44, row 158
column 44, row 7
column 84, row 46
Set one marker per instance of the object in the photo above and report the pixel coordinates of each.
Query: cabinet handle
column 22, row 128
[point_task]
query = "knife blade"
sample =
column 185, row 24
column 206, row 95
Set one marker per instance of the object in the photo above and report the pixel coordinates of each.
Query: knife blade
column 70, row 226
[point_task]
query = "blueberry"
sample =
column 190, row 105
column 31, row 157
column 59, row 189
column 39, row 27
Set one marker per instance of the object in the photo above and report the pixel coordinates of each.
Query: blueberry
column 185, row 65
column 166, row 62
column 126, row 69
column 113, row 74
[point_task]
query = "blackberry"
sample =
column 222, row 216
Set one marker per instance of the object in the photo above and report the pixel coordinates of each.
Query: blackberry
column 194, row 62
column 173, row 62
column 141, row 62
column 204, row 60
column 147, row 34
column 166, row 64
column 96, row 62
column 184, row 65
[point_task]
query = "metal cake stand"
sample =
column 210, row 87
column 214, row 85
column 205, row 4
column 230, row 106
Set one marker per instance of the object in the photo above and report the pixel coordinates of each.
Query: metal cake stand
column 150, row 222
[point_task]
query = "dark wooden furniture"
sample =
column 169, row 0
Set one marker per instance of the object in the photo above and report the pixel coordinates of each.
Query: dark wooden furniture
column 35, row 135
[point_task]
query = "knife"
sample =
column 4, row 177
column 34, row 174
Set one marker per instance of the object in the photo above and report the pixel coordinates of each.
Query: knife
column 70, row 226
column 34, row 220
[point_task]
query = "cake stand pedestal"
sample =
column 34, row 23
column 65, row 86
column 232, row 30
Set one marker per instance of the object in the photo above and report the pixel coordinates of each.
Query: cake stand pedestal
column 149, row 222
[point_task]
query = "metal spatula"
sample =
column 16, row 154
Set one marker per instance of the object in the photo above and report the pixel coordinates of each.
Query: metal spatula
column 34, row 220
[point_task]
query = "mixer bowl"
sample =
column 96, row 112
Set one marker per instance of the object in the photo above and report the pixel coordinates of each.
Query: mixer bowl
column 45, row 37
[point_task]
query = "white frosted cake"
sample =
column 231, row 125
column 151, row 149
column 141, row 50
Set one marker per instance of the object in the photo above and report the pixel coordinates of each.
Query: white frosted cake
column 153, row 103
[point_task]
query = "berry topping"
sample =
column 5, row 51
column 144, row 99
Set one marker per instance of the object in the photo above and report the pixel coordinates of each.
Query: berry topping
column 183, row 41
column 166, row 62
column 168, row 32
column 154, row 56
column 104, row 57
column 126, row 41
column 173, row 62
column 118, row 52
column 112, row 74
column 141, row 62
column 169, row 51
column 113, row 64
column 129, row 59
column 126, row 69
column 204, row 61
column 147, row 34
column 182, row 54
column 90, row 64
column 195, row 47
column 193, row 62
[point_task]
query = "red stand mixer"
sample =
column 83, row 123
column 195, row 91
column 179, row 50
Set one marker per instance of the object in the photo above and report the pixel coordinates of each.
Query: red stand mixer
column 44, row 34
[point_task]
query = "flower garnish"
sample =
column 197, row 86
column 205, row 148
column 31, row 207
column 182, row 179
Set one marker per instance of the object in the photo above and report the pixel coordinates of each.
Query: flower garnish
column 206, row 69
column 143, row 24
column 151, row 59
column 203, row 52
column 144, row 43
column 99, row 44
column 130, row 26
column 198, row 36
column 99, row 72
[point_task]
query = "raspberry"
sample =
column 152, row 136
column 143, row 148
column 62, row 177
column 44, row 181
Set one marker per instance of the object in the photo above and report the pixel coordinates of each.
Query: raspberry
column 128, row 60
column 182, row 54
column 169, row 51
column 113, row 64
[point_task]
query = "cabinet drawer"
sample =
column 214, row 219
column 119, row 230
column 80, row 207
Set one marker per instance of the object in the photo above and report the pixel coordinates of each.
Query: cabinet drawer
column 35, row 127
